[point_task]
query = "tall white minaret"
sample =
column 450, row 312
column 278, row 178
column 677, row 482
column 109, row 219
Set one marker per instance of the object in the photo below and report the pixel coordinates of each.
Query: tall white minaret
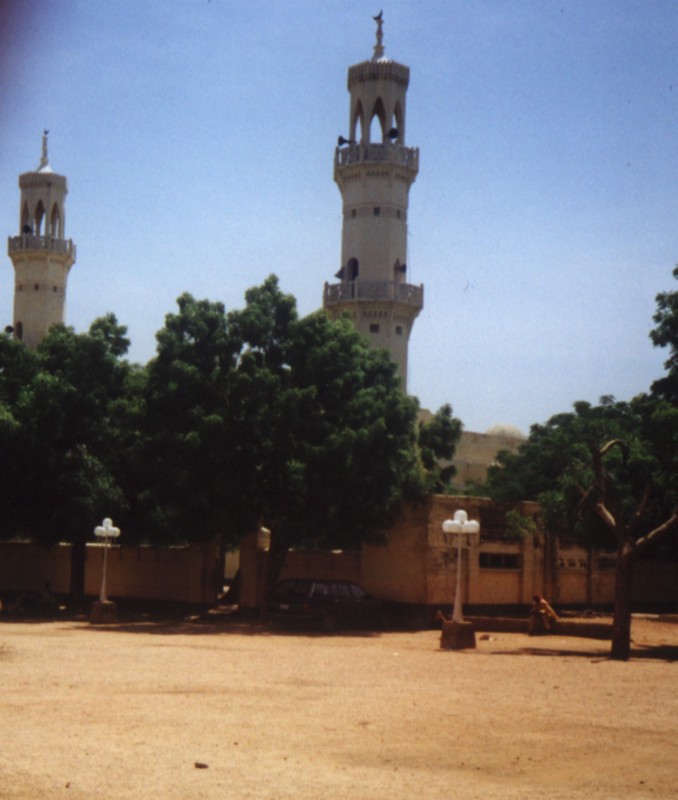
column 41, row 254
column 374, row 170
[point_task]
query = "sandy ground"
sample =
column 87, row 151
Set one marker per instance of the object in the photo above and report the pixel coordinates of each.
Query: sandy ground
column 224, row 709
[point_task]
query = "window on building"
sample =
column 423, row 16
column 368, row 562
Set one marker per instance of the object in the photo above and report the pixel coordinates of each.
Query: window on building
column 353, row 213
column 374, row 327
column 499, row 561
column 36, row 286
column 399, row 330
column 376, row 211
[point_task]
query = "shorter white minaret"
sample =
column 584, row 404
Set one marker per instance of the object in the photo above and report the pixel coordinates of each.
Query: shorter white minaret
column 41, row 254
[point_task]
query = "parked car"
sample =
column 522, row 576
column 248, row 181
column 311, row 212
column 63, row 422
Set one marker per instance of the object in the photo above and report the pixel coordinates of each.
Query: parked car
column 327, row 604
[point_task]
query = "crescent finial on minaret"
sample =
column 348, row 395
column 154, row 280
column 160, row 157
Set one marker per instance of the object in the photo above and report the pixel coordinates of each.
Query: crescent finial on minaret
column 378, row 47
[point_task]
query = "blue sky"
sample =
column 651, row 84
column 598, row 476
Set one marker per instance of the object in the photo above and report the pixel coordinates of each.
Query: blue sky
column 198, row 140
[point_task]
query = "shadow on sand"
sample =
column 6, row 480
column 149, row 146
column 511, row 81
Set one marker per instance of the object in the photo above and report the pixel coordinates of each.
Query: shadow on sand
column 659, row 652
column 229, row 620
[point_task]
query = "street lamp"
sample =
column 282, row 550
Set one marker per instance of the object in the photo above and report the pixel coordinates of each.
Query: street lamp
column 105, row 610
column 462, row 527
column 105, row 531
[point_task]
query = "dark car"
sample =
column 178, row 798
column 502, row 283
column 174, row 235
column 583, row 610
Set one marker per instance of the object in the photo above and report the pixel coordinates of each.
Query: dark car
column 326, row 604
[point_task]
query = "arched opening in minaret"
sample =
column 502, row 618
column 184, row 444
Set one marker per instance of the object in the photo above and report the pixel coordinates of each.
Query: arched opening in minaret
column 352, row 269
column 19, row 331
column 26, row 227
column 358, row 122
column 38, row 218
column 378, row 122
column 55, row 222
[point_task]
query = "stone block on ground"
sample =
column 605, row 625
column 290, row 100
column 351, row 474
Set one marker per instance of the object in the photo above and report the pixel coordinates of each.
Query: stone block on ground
column 103, row 612
column 457, row 636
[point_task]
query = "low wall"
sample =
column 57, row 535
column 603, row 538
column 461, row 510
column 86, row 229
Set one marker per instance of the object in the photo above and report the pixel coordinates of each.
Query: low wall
column 190, row 575
column 26, row 567
column 323, row 564
column 584, row 628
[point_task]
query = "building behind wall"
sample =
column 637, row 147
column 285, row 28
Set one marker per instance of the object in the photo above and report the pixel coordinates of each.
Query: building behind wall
column 417, row 567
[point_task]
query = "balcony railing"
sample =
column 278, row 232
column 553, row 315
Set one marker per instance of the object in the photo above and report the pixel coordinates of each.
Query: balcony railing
column 377, row 153
column 369, row 291
column 49, row 243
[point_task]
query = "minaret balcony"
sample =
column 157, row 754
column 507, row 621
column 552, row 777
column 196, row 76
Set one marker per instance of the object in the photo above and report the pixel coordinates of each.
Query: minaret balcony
column 370, row 291
column 397, row 154
column 17, row 244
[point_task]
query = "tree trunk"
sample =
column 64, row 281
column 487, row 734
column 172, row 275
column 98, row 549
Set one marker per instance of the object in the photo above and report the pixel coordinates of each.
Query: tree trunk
column 623, row 596
column 275, row 560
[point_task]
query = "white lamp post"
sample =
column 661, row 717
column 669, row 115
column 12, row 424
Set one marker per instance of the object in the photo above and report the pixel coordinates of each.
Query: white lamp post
column 463, row 527
column 105, row 531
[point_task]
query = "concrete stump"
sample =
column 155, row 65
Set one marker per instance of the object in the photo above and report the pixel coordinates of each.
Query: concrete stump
column 457, row 636
column 103, row 612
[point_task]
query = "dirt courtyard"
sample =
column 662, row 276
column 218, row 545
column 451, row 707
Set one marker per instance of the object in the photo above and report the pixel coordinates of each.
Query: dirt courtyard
column 199, row 708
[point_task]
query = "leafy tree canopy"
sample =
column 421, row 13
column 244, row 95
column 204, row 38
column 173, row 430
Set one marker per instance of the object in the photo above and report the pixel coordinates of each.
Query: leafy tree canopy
column 59, row 452
column 258, row 417
column 666, row 335
column 242, row 418
column 438, row 439
column 556, row 459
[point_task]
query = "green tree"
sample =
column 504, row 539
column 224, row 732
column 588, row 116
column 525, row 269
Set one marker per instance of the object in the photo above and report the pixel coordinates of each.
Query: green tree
column 437, row 441
column 666, row 335
column 604, row 475
column 63, row 437
column 608, row 491
column 257, row 417
column 18, row 369
column 185, row 467
column 336, row 439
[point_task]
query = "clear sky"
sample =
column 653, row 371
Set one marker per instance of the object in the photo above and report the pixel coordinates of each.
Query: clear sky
column 198, row 138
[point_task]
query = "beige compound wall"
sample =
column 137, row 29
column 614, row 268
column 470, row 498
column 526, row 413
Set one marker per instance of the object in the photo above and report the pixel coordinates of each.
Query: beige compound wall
column 190, row 575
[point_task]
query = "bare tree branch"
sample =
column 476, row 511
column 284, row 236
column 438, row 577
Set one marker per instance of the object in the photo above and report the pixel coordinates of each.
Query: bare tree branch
column 607, row 517
column 670, row 525
column 620, row 443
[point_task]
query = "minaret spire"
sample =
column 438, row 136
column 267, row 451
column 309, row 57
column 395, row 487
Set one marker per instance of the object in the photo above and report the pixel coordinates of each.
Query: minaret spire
column 44, row 158
column 379, row 47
